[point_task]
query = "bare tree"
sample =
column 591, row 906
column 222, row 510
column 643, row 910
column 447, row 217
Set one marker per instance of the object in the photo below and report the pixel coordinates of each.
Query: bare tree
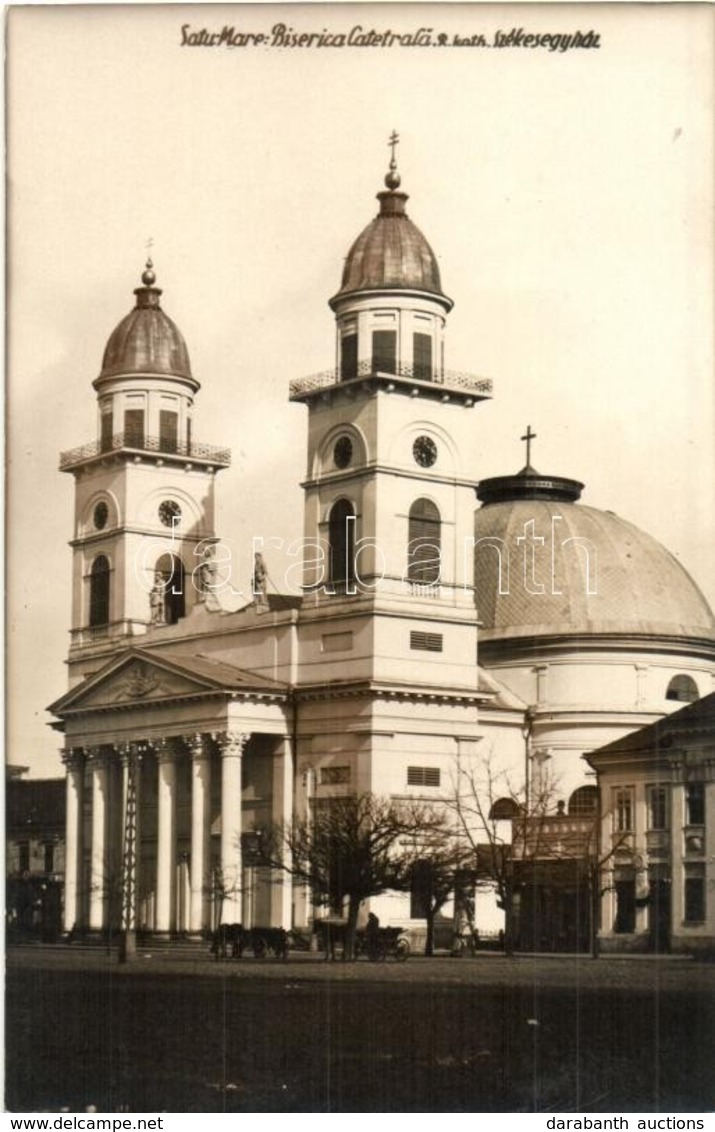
column 443, row 856
column 352, row 848
column 520, row 836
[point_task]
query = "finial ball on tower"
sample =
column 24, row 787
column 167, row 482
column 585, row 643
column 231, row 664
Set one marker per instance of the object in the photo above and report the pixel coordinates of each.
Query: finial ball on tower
column 148, row 275
column 392, row 178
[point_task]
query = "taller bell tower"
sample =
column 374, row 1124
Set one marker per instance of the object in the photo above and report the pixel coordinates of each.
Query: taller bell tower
column 144, row 489
column 393, row 459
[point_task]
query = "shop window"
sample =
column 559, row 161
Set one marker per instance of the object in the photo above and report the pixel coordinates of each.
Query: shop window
column 625, row 906
column 694, row 895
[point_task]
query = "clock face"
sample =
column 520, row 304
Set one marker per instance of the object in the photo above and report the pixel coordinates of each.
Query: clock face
column 100, row 516
column 343, row 452
column 424, row 451
column 170, row 513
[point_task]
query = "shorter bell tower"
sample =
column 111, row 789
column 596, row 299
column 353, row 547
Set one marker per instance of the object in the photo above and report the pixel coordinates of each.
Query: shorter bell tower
column 144, row 489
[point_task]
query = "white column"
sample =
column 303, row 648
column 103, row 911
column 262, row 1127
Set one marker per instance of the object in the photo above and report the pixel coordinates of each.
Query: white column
column 74, row 761
column 166, row 838
column 130, row 870
column 231, row 744
column 282, row 885
column 98, row 884
column 200, row 832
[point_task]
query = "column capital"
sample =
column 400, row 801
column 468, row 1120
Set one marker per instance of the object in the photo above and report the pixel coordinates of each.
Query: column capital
column 231, row 744
column 72, row 757
column 165, row 750
column 131, row 752
column 197, row 746
column 96, row 757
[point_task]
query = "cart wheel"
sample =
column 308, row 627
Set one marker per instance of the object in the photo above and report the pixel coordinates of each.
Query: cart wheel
column 402, row 950
column 260, row 948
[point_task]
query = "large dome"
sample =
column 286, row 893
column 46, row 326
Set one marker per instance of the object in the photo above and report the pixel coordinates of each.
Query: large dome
column 146, row 341
column 636, row 586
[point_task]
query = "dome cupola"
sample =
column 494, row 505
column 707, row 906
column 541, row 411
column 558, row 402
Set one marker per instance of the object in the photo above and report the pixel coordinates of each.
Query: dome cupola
column 146, row 341
column 391, row 253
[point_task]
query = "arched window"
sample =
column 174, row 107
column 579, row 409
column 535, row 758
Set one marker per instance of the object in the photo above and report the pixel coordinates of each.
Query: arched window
column 341, row 536
column 424, row 542
column 99, row 591
column 583, row 802
column 172, row 570
column 504, row 809
column 684, row 689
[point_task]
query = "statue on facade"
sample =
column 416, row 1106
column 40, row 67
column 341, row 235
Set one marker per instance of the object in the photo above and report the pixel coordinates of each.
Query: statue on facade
column 259, row 583
column 157, row 604
column 208, row 587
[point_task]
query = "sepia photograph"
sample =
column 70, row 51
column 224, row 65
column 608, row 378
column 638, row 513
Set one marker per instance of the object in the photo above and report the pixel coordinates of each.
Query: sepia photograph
column 360, row 561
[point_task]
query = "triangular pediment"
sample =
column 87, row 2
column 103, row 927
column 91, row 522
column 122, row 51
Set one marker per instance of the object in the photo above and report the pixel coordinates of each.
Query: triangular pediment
column 140, row 678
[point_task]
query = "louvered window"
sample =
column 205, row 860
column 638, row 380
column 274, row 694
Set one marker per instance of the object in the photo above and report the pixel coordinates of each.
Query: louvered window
column 422, row 355
column 348, row 357
column 423, row 776
column 424, row 543
column 428, row 642
column 384, row 351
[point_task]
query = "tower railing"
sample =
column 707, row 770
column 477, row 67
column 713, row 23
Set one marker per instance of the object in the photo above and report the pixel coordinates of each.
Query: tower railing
column 136, row 442
column 449, row 379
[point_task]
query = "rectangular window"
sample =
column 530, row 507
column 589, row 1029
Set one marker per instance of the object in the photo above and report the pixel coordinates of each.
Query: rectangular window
column 49, row 857
column 23, row 856
column 623, row 811
column 348, row 357
column 423, row 776
column 384, row 351
column 694, row 895
column 107, row 424
column 625, row 906
column 334, row 775
column 695, row 803
column 134, row 428
column 657, row 807
column 422, row 356
column 168, row 431
column 429, row 642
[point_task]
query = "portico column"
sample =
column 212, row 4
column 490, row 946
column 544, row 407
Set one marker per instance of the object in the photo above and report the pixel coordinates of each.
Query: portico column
column 282, row 884
column 98, row 884
column 231, row 745
column 166, row 837
column 200, row 831
column 74, row 762
column 130, row 755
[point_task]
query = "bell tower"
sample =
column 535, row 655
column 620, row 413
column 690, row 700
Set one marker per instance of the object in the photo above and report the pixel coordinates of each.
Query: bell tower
column 144, row 488
column 392, row 455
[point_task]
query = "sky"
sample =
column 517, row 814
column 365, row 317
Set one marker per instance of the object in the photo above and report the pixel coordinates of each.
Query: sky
column 568, row 196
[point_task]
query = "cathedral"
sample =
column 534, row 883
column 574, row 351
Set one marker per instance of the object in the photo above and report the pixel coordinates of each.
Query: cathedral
column 440, row 619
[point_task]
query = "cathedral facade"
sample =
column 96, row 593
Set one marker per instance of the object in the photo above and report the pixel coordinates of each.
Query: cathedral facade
column 426, row 635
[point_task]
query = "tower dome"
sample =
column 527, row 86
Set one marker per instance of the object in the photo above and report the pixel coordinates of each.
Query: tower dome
column 391, row 253
column 146, row 341
column 575, row 571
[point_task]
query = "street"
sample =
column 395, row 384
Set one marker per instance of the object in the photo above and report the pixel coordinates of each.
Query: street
column 486, row 1034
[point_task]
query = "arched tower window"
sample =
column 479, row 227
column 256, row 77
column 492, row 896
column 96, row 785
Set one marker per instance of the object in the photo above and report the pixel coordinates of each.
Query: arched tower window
column 424, row 543
column 504, row 809
column 99, row 591
column 171, row 569
column 341, row 536
column 583, row 802
column 683, row 688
